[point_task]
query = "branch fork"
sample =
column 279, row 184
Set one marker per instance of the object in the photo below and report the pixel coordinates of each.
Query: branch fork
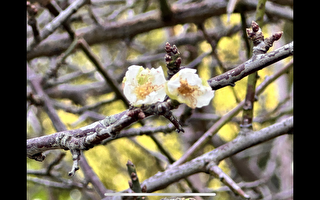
column 217, row 172
column 88, row 136
column 261, row 45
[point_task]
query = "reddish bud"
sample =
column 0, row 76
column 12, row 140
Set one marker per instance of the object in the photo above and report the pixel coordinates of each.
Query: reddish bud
column 130, row 163
column 174, row 49
column 277, row 35
column 178, row 62
column 133, row 176
column 168, row 47
column 141, row 115
column 167, row 58
column 250, row 33
column 144, row 188
column 255, row 26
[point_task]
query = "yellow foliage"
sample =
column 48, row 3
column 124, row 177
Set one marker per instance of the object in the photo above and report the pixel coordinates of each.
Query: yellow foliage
column 204, row 46
column 228, row 132
column 153, row 38
column 235, row 19
column 104, row 160
column 228, row 49
column 81, row 60
column 203, row 69
column 172, row 143
column 224, row 99
column 47, row 124
column 67, row 118
column 178, row 29
column 112, row 108
column 147, row 142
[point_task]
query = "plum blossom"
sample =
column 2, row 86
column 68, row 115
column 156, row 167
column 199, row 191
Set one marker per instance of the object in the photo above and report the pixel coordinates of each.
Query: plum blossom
column 187, row 87
column 144, row 86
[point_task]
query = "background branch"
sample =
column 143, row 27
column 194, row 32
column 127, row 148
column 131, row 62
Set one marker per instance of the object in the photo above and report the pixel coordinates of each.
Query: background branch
column 73, row 86
column 193, row 13
column 56, row 22
column 199, row 164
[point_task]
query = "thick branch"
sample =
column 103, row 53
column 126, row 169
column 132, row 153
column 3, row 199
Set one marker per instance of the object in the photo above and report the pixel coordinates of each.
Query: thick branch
column 191, row 13
column 224, row 119
column 88, row 136
column 254, row 64
column 200, row 164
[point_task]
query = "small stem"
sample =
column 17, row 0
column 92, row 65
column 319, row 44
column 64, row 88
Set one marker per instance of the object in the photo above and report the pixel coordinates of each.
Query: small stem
column 134, row 183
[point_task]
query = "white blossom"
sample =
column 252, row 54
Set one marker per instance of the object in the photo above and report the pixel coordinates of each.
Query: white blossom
column 144, row 86
column 187, row 87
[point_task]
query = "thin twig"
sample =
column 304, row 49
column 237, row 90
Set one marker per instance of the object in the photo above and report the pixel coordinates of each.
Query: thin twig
column 56, row 22
column 200, row 164
column 223, row 177
column 108, row 78
column 191, row 13
column 90, row 135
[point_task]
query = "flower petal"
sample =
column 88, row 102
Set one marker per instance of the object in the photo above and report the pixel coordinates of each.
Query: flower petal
column 144, row 86
column 187, row 87
column 204, row 100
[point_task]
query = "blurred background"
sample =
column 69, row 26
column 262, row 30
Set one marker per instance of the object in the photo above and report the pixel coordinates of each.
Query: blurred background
column 81, row 96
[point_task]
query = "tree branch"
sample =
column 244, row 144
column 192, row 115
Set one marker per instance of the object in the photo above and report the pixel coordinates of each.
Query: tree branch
column 254, row 64
column 200, row 164
column 218, row 173
column 224, row 119
column 191, row 13
column 88, row 136
column 56, row 22
column 134, row 182
column 109, row 128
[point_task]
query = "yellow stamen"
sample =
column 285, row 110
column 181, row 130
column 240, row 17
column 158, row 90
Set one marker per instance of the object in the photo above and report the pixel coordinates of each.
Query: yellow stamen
column 185, row 89
column 145, row 89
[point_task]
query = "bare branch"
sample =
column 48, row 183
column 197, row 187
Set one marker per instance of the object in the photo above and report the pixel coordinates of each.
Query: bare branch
column 200, row 164
column 86, row 137
column 191, row 13
column 224, row 119
column 218, row 173
column 252, row 65
column 47, row 93
column 56, row 22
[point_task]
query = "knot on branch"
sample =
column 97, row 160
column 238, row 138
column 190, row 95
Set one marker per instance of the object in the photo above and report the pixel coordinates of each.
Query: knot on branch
column 261, row 45
column 164, row 109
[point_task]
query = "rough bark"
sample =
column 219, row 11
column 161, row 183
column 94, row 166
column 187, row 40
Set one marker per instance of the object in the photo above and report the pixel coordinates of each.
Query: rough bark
column 191, row 13
column 204, row 162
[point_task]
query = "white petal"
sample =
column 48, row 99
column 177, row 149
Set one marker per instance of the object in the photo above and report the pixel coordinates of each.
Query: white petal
column 137, row 76
column 158, row 74
column 128, row 91
column 184, row 73
column 173, row 85
column 191, row 76
column 132, row 73
column 204, row 99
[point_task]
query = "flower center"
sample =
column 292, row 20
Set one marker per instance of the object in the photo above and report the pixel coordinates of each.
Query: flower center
column 185, row 89
column 145, row 89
